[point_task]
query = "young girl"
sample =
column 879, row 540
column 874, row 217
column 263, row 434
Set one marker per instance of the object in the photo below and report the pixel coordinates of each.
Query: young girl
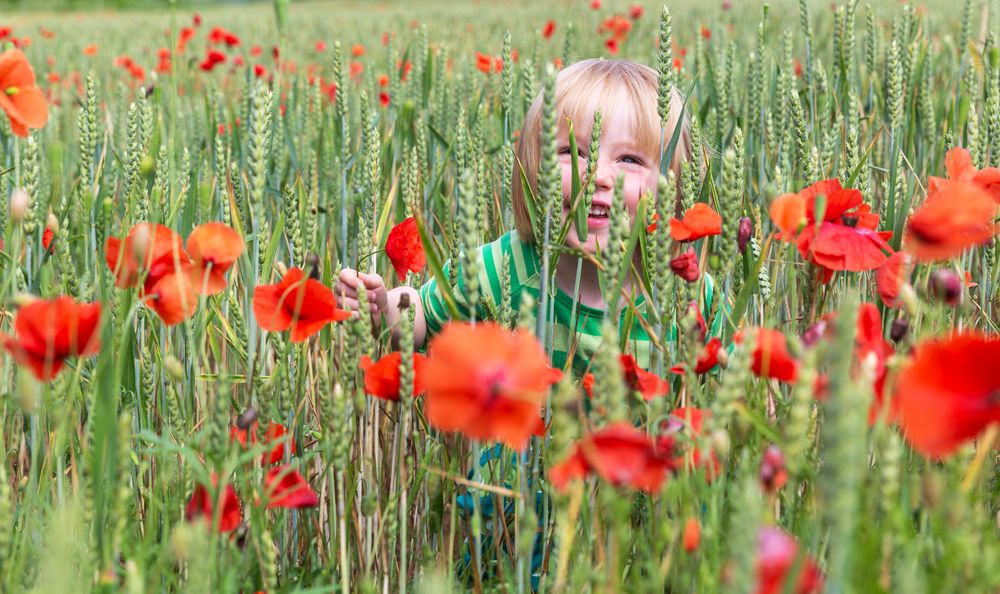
column 625, row 93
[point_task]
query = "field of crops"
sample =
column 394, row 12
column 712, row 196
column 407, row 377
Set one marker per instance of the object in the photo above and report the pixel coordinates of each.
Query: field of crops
column 781, row 369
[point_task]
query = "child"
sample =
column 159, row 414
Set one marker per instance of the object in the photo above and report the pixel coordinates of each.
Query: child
column 625, row 93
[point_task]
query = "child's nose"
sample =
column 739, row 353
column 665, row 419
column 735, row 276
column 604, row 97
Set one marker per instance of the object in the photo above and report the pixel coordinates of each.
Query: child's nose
column 604, row 177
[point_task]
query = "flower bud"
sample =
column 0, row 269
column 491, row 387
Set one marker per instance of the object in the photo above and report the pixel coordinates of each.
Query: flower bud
column 900, row 328
column 692, row 535
column 945, row 285
column 743, row 233
column 773, row 474
column 246, row 419
column 19, row 203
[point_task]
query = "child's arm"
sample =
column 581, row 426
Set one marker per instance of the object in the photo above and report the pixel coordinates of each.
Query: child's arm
column 381, row 302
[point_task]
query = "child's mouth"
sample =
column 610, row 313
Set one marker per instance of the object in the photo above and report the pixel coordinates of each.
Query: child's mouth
column 598, row 216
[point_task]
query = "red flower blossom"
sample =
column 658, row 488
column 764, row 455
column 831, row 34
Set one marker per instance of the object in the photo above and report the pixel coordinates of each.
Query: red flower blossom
column 50, row 331
column 287, row 488
column 259, row 70
column 773, row 473
column 788, row 213
column 595, row 4
column 47, row 236
column 947, row 394
column 892, row 276
column 212, row 59
column 297, row 302
column 484, row 63
column 256, row 51
column 404, row 248
column 357, row 50
column 90, row 50
column 771, row 357
column 649, row 385
column 612, row 45
column 845, row 238
column 183, row 37
column 690, row 420
column 955, row 216
column 213, row 248
column 174, row 297
column 691, row 535
column 276, row 435
column 706, row 33
column 201, row 506
column 23, row 102
column 635, row 11
column 320, row 46
column 548, row 29
column 958, row 164
column 776, row 558
column 706, row 361
column 486, row 382
column 196, row 19
column 383, row 99
column 382, row 377
column 685, row 265
column 699, row 221
column 621, row 455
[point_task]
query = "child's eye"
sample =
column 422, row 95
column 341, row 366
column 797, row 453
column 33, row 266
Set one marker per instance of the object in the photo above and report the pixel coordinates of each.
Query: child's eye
column 632, row 159
column 579, row 151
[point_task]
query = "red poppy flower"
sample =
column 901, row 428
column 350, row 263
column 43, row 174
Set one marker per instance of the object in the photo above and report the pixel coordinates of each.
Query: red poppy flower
column 213, row 249
column 174, row 297
column 50, row 331
column 788, row 213
column 287, row 488
column 621, row 455
column 588, row 384
column 706, row 361
column 691, row 535
column 90, row 50
column 23, row 102
column 357, row 50
column 201, row 506
column 383, row 99
column 404, row 248
column 685, row 265
column 956, row 216
column 196, row 19
column 635, row 11
column 892, row 276
column 320, row 46
column 47, row 236
column 706, row 33
column 777, row 554
column 947, row 394
column 382, row 377
column 383, row 80
column 276, row 435
column 548, row 29
column 649, row 385
column 484, row 63
column 259, row 71
column 595, row 4
column 958, row 164
column 845, row 238
column 212, row 59
column 690, row 420
column 486, row 382
column 612, row 44
column 297, row 302
column 256, row 51
column 771, row 357
column 148, row 252
column 699, row 221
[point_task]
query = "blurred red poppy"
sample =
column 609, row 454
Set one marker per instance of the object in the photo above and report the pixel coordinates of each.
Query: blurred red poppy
column 548, row 29
column 212, row 59
column 947, row 394
column 277, row 438
column 685, row 265
column 484, row 63
column 149, row 252
column 90, row 50
column 287, row 488
column 382, row 377
column 612, row 45
column 788, row 213
column 49, row 331
column 958, row 164
column 174, row 297
column 404, row 248
column 23, row 102
column 213, row 249
column 691, row 535
column 771, row 357
column 619, row 454
column 706, row 361
column 690, row 421
column 635, row 11
column 649, row 385
column 956, row 216
column 297, row 302
column 777, row 557
column 486, row 382
column 47, row 236
column 357, row 50
column 201, row 506
column 699, row 221
column 320, row 46
column 892, row 276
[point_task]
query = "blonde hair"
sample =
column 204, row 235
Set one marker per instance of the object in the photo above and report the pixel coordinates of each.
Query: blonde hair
column 582, row 89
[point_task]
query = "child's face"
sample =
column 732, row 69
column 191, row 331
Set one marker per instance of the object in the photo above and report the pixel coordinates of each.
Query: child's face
column 619, row 154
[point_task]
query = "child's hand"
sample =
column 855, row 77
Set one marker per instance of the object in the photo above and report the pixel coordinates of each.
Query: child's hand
column 348, row 285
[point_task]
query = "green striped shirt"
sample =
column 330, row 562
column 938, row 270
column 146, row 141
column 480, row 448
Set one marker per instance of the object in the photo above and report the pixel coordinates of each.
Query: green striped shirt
column 581, row 336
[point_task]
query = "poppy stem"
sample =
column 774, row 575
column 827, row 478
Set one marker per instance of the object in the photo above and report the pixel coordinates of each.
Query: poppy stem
column 985, row 447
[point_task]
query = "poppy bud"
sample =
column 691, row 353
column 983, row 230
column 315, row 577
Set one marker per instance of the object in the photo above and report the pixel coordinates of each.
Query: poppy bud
column 246, row 419
column 900, row 327
column 692, row 535
column 946, row 286
column 240, row 536
column 773, row 474
column 19, row 203
column 686, row 265
column 814, row 333
column 743, row 233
